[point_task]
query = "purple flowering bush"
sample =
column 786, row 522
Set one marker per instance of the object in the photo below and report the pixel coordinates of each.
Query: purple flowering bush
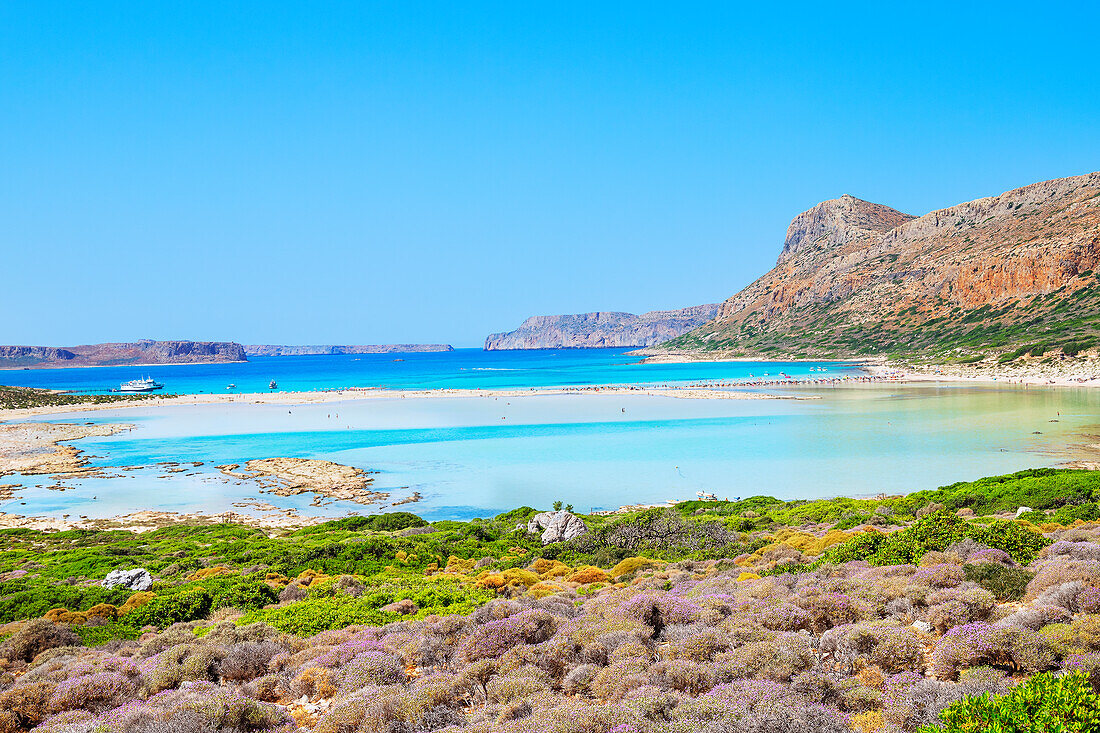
column 981, row 644
column 698, row 646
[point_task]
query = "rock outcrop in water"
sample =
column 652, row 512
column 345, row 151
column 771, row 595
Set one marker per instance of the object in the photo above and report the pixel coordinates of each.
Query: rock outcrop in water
column 594, row 330
column 290, row 350
column 138, row 352
column 999, row 274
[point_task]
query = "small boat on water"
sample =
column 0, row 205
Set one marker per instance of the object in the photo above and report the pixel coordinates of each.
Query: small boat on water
column 145, row 384
column 232, row 386
column 272, row 384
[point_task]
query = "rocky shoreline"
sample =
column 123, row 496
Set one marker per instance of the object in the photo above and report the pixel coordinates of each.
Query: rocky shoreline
column 354, row 394
column 36, row 448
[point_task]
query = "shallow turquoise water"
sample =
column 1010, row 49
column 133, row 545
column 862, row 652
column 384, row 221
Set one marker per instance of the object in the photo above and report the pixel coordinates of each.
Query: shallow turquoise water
column 462, row 368
column 593, row 451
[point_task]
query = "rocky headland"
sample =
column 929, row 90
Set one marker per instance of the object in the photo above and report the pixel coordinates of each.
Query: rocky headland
column 595, row 330
column 290, row 350
column 121, row 354
column 993, row 280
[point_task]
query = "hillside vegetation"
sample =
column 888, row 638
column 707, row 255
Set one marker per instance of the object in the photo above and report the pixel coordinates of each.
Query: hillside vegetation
column 756, row 615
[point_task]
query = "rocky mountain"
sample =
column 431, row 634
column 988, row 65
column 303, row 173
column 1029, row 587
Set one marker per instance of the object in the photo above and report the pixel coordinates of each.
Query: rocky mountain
column 283, row 350
column 1013, row 274
column 593, row 330
column 138, row 352
column 19, row 356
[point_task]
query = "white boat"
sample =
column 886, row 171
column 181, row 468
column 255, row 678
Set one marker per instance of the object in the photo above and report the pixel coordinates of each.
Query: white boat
column 272, row 384
column 145, row 384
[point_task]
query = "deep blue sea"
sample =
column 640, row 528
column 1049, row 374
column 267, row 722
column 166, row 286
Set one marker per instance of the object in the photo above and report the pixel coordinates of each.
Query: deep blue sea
column 458, row 369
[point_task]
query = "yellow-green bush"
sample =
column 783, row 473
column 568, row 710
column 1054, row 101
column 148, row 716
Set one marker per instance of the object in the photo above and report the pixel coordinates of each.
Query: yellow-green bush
column 632, row 565
column 137, row 600
column 213, row 572
column 586, row 574
column 65, row 616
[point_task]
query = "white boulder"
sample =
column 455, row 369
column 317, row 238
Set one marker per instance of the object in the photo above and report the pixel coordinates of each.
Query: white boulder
column 557, row 526
column 136, row 579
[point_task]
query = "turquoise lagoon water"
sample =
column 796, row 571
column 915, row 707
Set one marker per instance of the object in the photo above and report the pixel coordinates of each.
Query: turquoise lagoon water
column 593, row 451
column 459, row 369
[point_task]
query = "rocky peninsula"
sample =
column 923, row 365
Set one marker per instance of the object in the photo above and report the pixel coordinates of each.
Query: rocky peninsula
column 601, row 329
column 121, row 354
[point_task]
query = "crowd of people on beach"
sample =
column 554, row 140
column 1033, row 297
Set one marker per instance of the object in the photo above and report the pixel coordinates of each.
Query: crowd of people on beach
column 782, row 380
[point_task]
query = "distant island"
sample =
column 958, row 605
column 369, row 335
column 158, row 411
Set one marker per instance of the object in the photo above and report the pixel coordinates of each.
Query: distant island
column 1005, row 279
column 284, row 350
column 121, row 354
column 595, row 330
column 147, row 351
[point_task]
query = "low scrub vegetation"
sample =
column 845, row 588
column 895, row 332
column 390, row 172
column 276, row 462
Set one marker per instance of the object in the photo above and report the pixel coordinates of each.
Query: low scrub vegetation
column 936, row 611
column 17, row 398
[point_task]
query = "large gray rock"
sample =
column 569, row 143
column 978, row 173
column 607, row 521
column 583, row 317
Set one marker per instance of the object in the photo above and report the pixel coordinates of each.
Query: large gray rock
column 557, row 526
column 136, row 579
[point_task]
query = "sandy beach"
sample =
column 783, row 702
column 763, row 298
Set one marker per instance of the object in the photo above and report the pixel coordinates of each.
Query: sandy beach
column 345, row 395
column 1064, row 373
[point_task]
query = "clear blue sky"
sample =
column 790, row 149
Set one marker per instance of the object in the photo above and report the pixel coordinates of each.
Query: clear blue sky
column 391, row 172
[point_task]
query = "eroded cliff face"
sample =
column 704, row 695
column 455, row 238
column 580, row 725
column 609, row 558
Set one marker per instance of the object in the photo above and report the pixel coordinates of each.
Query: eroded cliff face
column 602, row 329
column 858, row 278
column 838, row 222
column 138, row 352
column 18, row 356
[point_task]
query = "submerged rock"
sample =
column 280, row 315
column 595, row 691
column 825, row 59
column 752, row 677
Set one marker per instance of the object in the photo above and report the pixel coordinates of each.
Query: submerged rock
column 557, row 526
column 136, row 579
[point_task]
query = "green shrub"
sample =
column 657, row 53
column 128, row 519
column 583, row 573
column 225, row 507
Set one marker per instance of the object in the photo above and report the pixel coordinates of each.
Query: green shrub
column 1088, row 512
column 1006, row 584
column 247, row 596
column 851, row 520
column 96, row 635
column 316, row 614
column 1073, row 348
column 936, row 532
column 520, row 514
column 1038, row 488
column 1042, row 704
column 32, row 597
column 162, row 611
column 392, row 522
